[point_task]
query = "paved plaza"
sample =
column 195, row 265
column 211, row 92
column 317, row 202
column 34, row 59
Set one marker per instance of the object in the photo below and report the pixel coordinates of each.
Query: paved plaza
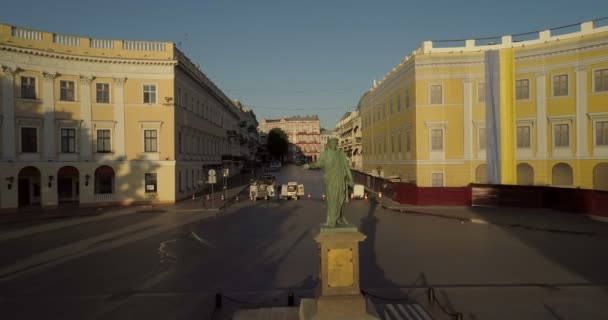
column 170, row 262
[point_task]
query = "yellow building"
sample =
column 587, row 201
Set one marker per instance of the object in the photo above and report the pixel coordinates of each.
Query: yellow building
column 104, row 121
column 426, row 121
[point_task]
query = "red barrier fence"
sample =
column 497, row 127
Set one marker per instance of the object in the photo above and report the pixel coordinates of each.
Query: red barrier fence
column 566, row 199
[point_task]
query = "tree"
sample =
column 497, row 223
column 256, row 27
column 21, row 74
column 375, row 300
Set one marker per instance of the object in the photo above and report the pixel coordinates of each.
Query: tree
column 277, row 143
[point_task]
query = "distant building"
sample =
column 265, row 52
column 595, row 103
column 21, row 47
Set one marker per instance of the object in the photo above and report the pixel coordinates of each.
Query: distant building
column 348, row 131
column 303, row 133
column 325, row 136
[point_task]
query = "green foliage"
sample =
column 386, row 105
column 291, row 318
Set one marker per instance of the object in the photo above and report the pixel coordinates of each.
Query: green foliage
column 277, row 143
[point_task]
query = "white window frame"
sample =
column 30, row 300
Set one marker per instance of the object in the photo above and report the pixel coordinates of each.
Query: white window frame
column 431, row 85
column 595, row 117
column 526, row 153
column 60, row 140
column 433, row 125
column 442, row 173
column 37, row 139
column 150, row 125
column 567, row 85
column 109, row 93
column 565, row 151
column 146, row 191
column 529, row 85
column 104, row 125
column 36, row 88
column 143, row 91
column 73, row 93
column 97, row 140
column 593, row 80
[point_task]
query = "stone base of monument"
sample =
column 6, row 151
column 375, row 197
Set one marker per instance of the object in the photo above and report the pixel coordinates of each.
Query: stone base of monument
column 338, row 294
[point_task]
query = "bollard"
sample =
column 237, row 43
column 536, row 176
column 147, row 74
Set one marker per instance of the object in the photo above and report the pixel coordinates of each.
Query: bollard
column 218, row 300
column 366, row 196
column 236, row 198
column 431, row 295
column 380, row 194
column 309, row 196
column 222, row 197
column 323, row 196
column 352, row 196
column 290, row 299
column 207, row 197
column 193, row 196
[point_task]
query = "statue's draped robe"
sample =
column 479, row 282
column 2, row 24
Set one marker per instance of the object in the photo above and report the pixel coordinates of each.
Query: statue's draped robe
column 337, row 177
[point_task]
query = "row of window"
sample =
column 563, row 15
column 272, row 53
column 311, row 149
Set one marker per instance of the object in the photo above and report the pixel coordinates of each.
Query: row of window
column 522, row 92
column 561, row 138
column 29, row 140
column 67, row 91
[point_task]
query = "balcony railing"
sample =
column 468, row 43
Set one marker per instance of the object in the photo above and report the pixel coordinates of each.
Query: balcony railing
column 104, row 197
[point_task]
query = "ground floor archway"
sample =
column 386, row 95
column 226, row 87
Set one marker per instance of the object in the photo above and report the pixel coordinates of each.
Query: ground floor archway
column 525, row 174
column 104, row 183
column 600, row 176
column 562, row 175
column 68, row 188
column 481, row 173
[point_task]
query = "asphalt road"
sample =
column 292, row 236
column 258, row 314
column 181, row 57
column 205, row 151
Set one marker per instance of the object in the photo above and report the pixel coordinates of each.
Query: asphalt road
column 165, row 263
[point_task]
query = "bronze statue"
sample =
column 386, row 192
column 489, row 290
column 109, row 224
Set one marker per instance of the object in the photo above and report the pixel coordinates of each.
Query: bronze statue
column 338, row 179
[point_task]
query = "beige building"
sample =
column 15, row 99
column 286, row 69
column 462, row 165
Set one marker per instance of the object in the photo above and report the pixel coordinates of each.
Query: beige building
column 304, row 134
column 95, row 121
column 348, row 131
column 325, row 136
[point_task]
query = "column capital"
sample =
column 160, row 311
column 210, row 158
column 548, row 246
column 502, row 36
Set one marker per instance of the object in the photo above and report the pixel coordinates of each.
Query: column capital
column 581, row 68
column 86, row 80
column 10, row 72
column 539, row 74
column 119, row 82
column 50, row 76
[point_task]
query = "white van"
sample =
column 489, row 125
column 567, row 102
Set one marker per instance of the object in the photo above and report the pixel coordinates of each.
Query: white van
column 358, row 191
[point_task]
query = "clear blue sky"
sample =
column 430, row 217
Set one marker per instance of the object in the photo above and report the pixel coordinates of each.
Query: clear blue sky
column 301, row 57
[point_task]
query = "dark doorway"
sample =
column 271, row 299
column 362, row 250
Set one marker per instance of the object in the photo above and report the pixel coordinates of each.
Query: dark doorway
column 67, row 185
column 28, row 189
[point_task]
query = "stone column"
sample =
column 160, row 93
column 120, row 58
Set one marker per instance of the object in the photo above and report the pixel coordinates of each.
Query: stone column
column 8, row 113
column 86, row 136
column 581, row 112
column 541, row 116
column 49, row 151
column 119, row 116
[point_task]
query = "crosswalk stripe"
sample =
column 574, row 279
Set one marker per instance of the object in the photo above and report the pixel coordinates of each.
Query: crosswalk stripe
column 411, row 313
column 422, row 312
column 394, row 312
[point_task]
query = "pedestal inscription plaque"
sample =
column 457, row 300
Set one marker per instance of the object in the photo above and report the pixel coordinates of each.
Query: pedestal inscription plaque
column 340, row 268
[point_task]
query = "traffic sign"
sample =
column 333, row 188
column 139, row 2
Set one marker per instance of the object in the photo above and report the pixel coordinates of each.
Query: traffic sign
column 225, row 172
column 212, row 179
column 212, row 172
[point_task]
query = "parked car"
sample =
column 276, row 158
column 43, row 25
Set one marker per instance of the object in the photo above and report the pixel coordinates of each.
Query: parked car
column 358, row 191
column 261, row 188
column 292, row 190
column 274, row 166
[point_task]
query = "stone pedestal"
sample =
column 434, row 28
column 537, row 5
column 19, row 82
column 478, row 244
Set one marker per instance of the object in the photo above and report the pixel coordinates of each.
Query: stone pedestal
column 338, row 293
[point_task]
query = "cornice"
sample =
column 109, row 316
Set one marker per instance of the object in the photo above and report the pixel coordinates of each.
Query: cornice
column 556, row 50
column 82, row 58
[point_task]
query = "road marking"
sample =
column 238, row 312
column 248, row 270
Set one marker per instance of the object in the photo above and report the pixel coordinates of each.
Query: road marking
column 56, row 256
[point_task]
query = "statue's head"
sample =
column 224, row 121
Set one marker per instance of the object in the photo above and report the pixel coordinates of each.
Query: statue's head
column 332, row 143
